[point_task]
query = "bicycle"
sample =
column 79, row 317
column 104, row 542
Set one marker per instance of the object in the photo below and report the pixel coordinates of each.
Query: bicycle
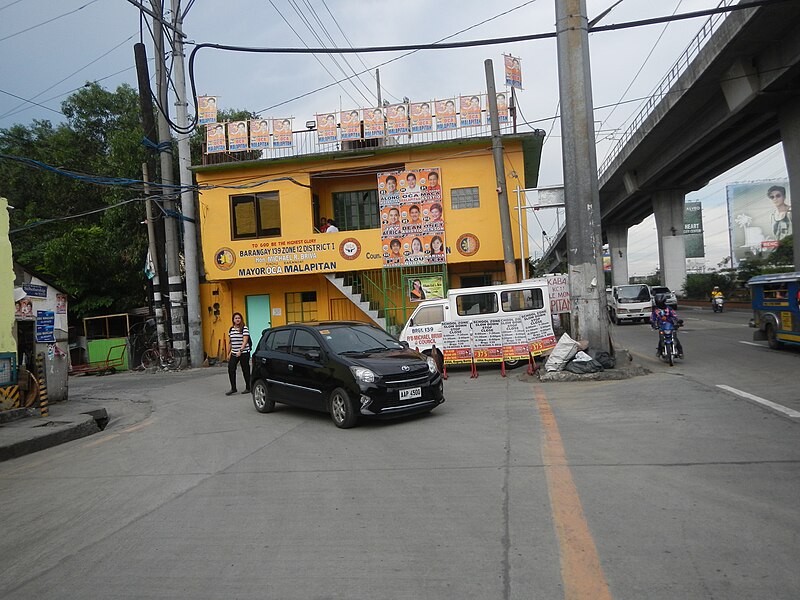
column 171, row 359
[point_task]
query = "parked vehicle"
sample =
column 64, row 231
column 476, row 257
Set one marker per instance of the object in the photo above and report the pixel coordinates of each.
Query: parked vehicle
column 630, row 303
column 347, row 369
column 671, row 298
column 776, row 314
column 718, row 303
column 423, row 329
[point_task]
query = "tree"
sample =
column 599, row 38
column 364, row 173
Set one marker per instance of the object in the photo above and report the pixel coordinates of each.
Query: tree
column 783, row 254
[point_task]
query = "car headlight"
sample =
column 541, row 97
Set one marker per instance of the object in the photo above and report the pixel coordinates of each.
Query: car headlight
column 363, row 375
column 432, row 365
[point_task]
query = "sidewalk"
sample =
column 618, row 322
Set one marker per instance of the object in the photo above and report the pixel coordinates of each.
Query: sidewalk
column 28, row 432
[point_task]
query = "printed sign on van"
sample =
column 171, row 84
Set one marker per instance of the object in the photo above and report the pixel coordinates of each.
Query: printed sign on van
column 457, row 342
column 539, row 330
column 487, row 340
column 515, row 340
column 424, row 335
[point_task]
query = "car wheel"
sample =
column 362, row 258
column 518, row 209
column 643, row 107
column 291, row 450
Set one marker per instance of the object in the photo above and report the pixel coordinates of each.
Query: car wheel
column 512, row 364
column 342, row 412
column 261, row 398
column 772, row 339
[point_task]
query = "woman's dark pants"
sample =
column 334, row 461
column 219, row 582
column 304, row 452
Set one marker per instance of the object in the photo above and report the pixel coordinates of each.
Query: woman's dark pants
column 244, row 360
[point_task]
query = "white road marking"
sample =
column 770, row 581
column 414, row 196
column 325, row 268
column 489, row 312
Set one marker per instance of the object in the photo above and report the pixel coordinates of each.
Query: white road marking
column 753, row 344
column 782, row 409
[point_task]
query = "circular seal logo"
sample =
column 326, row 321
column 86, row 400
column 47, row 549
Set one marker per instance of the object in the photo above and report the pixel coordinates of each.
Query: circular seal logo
column 350, row 248
column 468, row 244
column 224, row 259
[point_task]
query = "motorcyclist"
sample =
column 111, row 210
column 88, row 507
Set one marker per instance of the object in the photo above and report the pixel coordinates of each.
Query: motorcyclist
column 716, row 293
column 662, row 312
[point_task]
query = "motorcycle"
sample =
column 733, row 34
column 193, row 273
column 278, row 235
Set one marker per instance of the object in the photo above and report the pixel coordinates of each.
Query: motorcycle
column 717, row 303
column 669, row 349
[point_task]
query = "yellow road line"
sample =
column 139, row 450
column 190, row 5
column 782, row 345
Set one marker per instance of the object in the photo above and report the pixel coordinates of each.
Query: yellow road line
column 581, row 572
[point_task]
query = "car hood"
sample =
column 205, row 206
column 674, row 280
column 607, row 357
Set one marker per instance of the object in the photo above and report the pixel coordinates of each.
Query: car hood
column 391, row 362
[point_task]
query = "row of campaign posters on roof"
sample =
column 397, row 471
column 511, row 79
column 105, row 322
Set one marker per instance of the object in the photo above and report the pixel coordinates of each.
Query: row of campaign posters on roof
column 407, row 118
column 412, row 218
column 249, row 135
column 497, row 339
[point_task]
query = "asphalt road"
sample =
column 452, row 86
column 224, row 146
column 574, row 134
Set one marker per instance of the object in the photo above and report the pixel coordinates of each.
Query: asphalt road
column 661, row 486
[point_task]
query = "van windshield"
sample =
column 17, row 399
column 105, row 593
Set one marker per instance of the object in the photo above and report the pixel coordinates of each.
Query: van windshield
column 633, row 293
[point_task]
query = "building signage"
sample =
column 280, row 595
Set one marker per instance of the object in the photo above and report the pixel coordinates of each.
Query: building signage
column 45, row 327
column 693, row 230
column 35, row 291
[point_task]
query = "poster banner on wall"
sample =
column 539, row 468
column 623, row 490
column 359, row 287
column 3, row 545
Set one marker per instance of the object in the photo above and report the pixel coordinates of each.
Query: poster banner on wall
column 446, row 114
column 350, row 128
column 760, row 216
column 215, row 138
column 237, row 136
column 326, row 128
column 282, row 133
column 259, row 133
column 502, row 107
column 61, row 304
column 513, row 68
column 373, row 123
column 693, row 230
column 421, row 117
column 487, row 340
column 397, row 119
column 425, row 287
column 456, row 343
column 558, row 290
column 470, row 109
column 206, row 110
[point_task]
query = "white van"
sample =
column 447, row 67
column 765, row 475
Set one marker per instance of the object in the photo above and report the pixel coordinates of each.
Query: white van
column 629, row 303
column 424, row 328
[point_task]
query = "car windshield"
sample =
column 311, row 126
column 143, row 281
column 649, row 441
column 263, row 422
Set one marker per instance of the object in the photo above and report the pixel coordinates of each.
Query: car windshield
column 633, row 293
column 358, row 339
column 660, row 290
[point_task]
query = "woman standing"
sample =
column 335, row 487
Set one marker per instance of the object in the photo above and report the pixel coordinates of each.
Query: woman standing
column 240, row 353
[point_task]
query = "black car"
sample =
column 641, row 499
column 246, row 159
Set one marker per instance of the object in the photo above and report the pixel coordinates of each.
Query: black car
column 344, row 368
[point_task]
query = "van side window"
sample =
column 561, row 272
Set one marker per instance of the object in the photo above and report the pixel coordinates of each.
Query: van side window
column 776, row 291
column 476, row 304
column 514, row 300
column 429, row 315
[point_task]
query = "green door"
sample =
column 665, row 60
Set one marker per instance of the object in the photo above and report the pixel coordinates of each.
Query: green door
column 258, row 316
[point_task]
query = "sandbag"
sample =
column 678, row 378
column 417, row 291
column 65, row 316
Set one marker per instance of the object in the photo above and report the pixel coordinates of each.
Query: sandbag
column 581, row 367
column 604, row 358
column 565, row 349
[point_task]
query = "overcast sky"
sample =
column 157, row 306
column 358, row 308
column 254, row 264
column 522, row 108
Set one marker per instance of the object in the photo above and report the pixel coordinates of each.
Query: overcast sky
column 50, row 48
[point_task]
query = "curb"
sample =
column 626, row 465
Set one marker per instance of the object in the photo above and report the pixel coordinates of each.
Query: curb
column 49, row 433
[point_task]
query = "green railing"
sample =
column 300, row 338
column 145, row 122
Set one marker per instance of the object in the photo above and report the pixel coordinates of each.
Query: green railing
column 386, row 290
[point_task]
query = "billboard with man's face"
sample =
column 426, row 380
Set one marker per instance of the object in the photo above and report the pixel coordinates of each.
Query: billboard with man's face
column 760, row 216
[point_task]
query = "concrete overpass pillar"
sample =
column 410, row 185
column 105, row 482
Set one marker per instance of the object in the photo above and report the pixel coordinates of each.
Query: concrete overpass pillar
column 789, row 122
column 668, row 207
column 617, row 235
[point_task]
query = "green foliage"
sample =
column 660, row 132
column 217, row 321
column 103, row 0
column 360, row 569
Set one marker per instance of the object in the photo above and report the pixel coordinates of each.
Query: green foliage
column 783, row 254
column 698, row 286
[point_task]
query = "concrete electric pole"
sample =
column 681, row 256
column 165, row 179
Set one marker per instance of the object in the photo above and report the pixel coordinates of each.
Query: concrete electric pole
column 582, row 198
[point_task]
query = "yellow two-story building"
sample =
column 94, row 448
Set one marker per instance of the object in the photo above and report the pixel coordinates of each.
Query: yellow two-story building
column 265, row 256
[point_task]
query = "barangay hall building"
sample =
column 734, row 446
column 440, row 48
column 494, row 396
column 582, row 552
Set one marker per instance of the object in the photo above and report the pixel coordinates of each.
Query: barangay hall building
column 413, row 211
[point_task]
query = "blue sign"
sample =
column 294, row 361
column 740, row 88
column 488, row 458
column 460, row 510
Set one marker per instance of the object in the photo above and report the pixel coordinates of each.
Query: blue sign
column 35, row 291
column 45, row 327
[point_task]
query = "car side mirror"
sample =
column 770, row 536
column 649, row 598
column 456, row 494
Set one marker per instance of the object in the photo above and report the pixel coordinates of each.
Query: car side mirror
column 313, row 355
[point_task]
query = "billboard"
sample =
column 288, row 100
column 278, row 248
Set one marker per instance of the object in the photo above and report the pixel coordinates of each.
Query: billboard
column 760, row 216
column 693, row 230
column 412, row 225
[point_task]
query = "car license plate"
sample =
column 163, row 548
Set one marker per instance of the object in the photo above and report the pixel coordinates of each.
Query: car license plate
column 411, row 393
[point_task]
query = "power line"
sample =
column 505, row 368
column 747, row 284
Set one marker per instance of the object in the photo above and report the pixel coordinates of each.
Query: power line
column 10, row 4
column 46, row 22
column 31, row 102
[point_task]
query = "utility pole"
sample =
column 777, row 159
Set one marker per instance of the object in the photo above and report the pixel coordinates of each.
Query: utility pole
column 500, row 174
column 155, row 227
column 581, row 193
column 187, row 196
column 175, row 286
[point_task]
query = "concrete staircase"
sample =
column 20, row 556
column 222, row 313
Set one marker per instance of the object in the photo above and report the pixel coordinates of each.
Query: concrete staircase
column 356, row 298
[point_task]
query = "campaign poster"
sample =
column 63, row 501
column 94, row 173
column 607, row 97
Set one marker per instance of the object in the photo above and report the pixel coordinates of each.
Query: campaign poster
column 397, row 119
column 446, row 114
column 61, row 304
column 457, row 342
column 760, row 216
column 425, row 287
column 350, row 128
column 421, row 117
column 539, row 331
column 282, row 133
column 326, row 128
column 373, row 123
column 513, row 68
column 693, row 230
column 515, row 339
column 487, row 340
column 470, row 109
column 259, row 133
column 206, row 110
column 502, row 107
column 215, row 138
column 237, row 136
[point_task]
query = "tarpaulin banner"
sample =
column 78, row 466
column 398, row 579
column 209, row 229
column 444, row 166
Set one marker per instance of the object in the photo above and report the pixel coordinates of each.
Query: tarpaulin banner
column 215, row 138
column 487, row 340
column 350, row 128
column 456, row 343
column 237, row 136
column 397, row 120
column 502, row 107
column 515, row 339
column 282, row 133
column 421, row 117
column 373, row 123
column 326, row 128
column 206, row 110
column 259, row 133
column 513, row 68
column 470, row 109
column 760, row 216
column 446, row 114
